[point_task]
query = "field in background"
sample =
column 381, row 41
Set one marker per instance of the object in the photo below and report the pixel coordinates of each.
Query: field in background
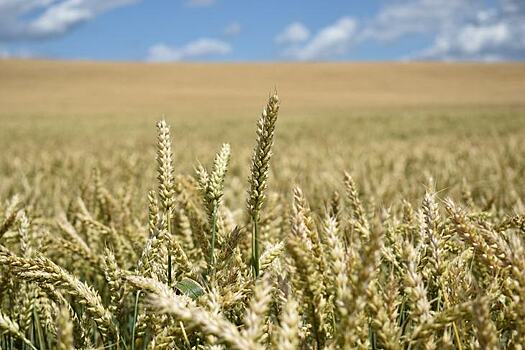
column 333, row 116
column 211, row 90
column 83, row 106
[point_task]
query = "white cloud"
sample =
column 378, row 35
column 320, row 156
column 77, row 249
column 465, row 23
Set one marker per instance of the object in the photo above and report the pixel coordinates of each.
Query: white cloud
column 455, row 29
column 460, row 29
column 492, row 34
column 200, row 48
column 417, row 17
column 233, row 29
column 293, row 34
column 329, row 42
column 37, row 19
column 200, row 3
column 484, row 42
column 473, row 39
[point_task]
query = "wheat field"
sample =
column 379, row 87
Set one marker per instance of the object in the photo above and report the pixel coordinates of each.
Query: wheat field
column 262, row 206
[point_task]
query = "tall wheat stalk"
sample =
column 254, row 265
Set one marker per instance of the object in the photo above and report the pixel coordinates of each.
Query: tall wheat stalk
column 260, row 168
column 165, row 178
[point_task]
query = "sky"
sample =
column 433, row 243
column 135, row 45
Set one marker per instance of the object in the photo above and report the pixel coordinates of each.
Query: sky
column 269, row 30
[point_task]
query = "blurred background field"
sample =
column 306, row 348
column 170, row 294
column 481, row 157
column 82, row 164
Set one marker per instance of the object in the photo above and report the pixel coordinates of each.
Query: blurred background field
column 384, row 122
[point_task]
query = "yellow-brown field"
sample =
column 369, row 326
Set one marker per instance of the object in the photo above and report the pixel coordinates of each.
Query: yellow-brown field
column 211, row 90
column 350, row 107
column 419, row 245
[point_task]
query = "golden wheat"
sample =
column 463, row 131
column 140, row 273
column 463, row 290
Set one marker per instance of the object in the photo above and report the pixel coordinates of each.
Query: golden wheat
column 192, row 267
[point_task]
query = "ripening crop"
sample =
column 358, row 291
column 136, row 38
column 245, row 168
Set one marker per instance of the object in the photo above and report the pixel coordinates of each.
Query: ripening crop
column 418, row 244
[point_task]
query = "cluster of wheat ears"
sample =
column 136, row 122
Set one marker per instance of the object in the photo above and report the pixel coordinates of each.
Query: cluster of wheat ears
column 279, row 276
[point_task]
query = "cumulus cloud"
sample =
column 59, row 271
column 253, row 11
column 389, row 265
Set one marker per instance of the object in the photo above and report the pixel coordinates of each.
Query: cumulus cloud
column 233, row 29
column 459, row 30
column 471, row 42
column 331, row 41
column 456, row 30
column 490, row 35
column 491, row 42
column 200, row 48
column 294, row 33
column 417, row 17
column 37, row 19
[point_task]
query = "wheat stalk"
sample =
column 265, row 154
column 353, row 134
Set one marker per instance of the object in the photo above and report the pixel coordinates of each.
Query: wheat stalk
column 260, row 168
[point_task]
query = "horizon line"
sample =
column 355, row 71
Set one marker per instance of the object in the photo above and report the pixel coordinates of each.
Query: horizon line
column 247, row 62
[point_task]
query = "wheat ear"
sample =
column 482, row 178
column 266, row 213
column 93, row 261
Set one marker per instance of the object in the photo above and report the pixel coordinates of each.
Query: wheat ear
column 165, row 178
column 260, row 168
column 46, row 273
column 9, row 326
column 212, row 190
column 195, row 318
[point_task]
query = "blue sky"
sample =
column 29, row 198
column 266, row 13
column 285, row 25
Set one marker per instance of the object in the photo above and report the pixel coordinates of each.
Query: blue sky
column 270, row 30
